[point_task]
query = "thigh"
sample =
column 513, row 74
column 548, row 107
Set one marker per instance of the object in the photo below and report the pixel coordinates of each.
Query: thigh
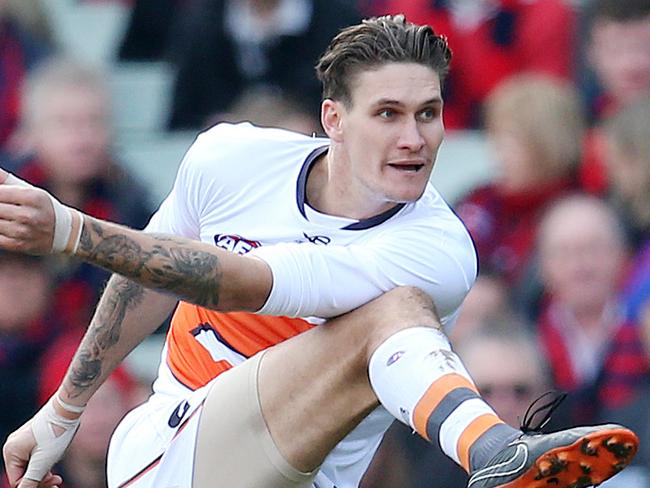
column 161, row 444
column 234, row 447
column 314, row 388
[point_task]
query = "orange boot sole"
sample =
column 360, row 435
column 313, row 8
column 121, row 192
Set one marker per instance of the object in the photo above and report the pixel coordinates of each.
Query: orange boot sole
column 589, row 461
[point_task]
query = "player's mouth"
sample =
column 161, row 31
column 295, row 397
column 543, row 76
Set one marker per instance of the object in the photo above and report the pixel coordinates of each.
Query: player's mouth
column 408, row 166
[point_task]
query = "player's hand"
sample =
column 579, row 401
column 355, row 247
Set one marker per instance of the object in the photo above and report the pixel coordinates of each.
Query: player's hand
column 32, row 221
column 32, row 450
column 16, row 454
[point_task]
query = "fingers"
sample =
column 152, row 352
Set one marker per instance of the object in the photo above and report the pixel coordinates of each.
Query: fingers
column 49, row 481
column 25, row 206
column 25, row 483
column 14, row 467
column 7, row 178
column 21, row 195
column 25, row 229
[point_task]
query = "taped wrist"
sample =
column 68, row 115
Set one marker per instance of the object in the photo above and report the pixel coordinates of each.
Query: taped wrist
column 53, row 433
column 69, row 407
column 68, row 222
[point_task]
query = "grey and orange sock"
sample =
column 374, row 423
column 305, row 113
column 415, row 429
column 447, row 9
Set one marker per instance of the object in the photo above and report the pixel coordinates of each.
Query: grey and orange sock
column 423, row 383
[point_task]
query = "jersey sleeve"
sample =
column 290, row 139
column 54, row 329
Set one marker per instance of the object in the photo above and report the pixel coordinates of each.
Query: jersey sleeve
column 195, row 187
column 326, row 281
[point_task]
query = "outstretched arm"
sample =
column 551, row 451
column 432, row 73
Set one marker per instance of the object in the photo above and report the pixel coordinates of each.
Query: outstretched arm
column 126, row 313
column 32, row 221
column 193, row 271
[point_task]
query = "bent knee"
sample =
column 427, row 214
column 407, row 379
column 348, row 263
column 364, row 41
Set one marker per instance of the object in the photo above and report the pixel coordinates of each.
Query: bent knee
column 398, row 309
column 408, row 297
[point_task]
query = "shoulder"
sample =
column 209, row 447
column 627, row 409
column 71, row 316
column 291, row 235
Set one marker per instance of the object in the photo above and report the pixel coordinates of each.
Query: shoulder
column 236, row 156
column 247, row 138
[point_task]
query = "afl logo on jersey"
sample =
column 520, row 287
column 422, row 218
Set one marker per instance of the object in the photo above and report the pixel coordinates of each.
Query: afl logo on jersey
column 235, row 243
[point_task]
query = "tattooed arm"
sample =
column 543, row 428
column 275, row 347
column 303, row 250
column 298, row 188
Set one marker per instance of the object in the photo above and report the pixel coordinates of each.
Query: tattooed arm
column 196, row 272
column 125, row 315
column 181, row 268
column 33, row 222
column 193, row 271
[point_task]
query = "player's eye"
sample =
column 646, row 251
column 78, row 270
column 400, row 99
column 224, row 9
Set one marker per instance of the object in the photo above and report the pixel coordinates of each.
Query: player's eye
column 428, row 114
column 386, row 113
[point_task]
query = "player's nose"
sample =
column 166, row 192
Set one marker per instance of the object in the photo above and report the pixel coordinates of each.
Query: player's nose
column 410, row 136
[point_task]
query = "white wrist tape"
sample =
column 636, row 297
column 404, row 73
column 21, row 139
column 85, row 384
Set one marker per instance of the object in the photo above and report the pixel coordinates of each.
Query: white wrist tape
column 69, row 407
column 68, row 222
column 53, row 434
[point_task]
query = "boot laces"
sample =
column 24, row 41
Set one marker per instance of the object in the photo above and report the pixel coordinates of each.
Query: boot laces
column 527, row 425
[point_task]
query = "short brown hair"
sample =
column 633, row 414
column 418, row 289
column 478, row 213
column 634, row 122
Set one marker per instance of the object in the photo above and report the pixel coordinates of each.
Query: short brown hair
column 375, row 42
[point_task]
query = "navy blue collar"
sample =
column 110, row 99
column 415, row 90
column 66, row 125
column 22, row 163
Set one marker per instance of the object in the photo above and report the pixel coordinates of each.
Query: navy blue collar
column 301, row 195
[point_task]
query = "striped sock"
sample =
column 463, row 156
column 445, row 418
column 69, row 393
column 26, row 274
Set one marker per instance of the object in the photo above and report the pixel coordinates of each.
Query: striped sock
column 422, row 382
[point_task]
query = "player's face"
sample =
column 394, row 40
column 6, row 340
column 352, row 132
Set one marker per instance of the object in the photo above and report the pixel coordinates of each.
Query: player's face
column 390, row 133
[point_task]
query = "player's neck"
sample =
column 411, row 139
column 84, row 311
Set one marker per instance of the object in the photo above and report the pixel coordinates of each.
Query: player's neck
column 334, row 193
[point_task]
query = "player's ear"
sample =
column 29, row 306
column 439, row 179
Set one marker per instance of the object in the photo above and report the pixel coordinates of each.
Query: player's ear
column 331, row 119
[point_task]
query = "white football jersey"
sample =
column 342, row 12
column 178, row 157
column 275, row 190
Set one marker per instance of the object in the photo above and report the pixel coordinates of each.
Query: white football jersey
column 242, row 188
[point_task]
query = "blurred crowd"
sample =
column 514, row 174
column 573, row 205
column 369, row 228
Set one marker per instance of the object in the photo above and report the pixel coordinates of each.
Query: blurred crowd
column 559, row 88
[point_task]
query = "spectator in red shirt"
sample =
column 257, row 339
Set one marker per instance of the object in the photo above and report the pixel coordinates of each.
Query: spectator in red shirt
column 593, row 350
column 535, row 125
column 617, row 52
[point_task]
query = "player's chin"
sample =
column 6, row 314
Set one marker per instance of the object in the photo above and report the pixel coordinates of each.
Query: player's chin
column 408, row 189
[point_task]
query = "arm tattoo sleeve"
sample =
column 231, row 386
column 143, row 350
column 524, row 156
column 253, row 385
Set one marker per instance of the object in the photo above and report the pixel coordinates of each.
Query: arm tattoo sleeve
column 166, row 263
column 103, row 333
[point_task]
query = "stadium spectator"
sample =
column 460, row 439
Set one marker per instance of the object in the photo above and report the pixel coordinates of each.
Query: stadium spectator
column 535, row 125
column 271, row 110
column 593, row 350
column 635, row 412
column 154, row 30
column 617, row 52
column 492, row 40
column 20, row 51
column 26, row 328
column 628, row 160
column 507, row 364
column 66, row 127
column 234, row 45
column 628, row 163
